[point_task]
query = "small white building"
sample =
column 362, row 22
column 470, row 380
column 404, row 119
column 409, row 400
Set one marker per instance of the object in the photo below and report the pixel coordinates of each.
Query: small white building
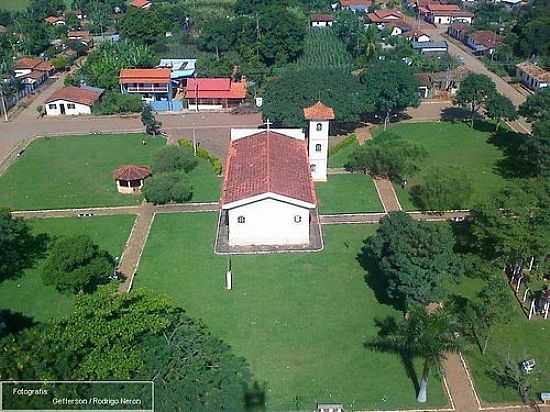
column 72, row 101
column 437, row 13
column 533, row 76
column 268, row 192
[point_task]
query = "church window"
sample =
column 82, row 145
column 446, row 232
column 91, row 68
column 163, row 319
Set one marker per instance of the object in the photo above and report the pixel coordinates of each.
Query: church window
column 317, row 147
column 241, row 219
column 312, row 168
column 319, row 127
column 297, row 219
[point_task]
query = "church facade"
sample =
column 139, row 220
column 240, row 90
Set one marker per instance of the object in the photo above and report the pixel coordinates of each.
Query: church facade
column 268, row 194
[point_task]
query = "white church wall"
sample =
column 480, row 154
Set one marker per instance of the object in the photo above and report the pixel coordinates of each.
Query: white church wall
column 268, row 222
column 237, row 134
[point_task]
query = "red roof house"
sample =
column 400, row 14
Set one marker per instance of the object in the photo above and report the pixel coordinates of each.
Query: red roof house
column 212, row 93
column 141, row 4
column 483, row 41
column 72, row 100
column 385, row 16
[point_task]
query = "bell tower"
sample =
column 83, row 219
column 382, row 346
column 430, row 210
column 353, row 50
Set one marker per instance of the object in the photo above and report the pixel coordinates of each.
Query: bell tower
column 319, row 117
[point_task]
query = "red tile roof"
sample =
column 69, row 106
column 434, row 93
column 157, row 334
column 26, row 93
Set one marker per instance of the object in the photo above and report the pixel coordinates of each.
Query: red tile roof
column 159, row 75
column 319, row 111
column 322, row 17
column 486, row 38
column 78, row 34
column 215, row 88
column 140, row 3
column 25, row 63
column 54, row 19
column 437, row 7
column 76, row 95
column 381, row 16
column 268, row 162
column 348, row 3
column 535, row 71
column 131, row 172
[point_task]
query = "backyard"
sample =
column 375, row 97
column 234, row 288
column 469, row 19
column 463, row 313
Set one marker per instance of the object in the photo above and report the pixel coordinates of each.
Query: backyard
column 66, row 172
column 301, row 320
column 27, row 294
column 453, row 144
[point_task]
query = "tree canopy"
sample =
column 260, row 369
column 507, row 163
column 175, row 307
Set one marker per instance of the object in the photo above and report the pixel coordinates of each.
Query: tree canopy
column 168, row 187
column 75, row 264
column 294, row 89
column 413, row 259
column 390, row 88
column 142, row 26
column 443, row 189
column 499, row 108
column 475, row 91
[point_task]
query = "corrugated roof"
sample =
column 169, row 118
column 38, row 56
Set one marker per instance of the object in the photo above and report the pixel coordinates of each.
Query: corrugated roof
column 268, row 162
column 76, row 95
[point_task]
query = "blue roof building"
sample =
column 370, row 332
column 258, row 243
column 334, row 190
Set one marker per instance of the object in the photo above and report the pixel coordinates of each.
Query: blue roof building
column 180, row 68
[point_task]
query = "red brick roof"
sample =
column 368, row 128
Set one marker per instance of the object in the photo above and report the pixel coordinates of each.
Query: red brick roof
column 140, row 3
column 321, row 17
column 215, row 88
column 76, row 95
column 486, row 38
column 159, row 75
column 535, row 71
column 78, row 34
column 319, row 111
column 268, row 162
column 54, row 19
column 348, row 3
column 131, row 172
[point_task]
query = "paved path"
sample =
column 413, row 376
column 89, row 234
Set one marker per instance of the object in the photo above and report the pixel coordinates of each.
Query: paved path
column 387, row 195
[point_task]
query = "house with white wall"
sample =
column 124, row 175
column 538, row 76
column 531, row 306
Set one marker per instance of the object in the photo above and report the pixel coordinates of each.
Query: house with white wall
column 72, row 101
column 321, row 20
column 437, row 13
column 533, row 76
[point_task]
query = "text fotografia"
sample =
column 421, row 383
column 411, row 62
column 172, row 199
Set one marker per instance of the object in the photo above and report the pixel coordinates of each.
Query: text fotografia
column 65, row 396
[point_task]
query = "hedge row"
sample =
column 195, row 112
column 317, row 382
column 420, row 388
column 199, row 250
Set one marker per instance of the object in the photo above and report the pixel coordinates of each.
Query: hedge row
column 203, row 154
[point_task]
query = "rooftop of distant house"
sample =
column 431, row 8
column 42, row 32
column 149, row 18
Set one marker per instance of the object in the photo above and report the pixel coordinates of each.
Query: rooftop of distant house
column 82, row 95
column 215, row 88
column 432, row 44
column 54, row 19
column 268, row 162
column 535, row 71
column 78, row 34
column 381, row 16
column 179, row 67
column 158, row 75
column 322, row 17
column 460, row 27
column 355, row 3
column 33, row 63
column 486, row 38
column 140, row 3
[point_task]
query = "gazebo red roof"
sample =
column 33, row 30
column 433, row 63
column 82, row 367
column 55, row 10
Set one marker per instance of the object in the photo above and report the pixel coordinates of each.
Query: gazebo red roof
column 131, row 172
column 319, row 111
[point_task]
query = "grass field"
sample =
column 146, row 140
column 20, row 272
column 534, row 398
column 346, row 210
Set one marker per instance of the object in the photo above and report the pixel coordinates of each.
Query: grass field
column 27, row 294
column 520, row 339
column 349, row 193
column 340, row 158
column 301, row 320
column 76, row 171
column 454, row 144
column 14, row 5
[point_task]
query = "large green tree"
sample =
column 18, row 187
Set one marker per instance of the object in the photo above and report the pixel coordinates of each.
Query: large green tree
column 443, row 189
column 18, row 246
column 387, row 155
column 294, row 89
column 537, row 106
column 413, row 259
column 390, row 88
column 75, row 264
column 142, row 26
column 500, row 108
column 423, row 334
column 474, row 92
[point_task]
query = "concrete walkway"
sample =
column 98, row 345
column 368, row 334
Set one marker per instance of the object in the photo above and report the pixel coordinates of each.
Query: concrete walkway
column 387, row 195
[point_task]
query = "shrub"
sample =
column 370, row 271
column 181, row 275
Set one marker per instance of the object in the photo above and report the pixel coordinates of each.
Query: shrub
column 114, row 102
column 168, row 187
column 172, row 159
column 216, row 163
column 75, row 264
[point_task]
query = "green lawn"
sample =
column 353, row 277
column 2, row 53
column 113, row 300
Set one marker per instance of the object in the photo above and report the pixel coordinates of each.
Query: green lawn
column 64, row 172
column 454, row 144
column 27, row 294
column 349, row 193
column 520, row 338
column 340, row 158
column 301, row 320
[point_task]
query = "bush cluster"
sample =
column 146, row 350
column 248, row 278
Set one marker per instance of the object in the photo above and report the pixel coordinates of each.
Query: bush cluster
column 204, row 154
column 114, row 102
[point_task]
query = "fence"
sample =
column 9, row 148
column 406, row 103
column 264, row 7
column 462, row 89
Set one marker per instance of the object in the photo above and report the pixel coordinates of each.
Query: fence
column 167, row 106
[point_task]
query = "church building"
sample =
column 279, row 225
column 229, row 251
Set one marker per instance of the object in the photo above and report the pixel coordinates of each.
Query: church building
column 268, row 192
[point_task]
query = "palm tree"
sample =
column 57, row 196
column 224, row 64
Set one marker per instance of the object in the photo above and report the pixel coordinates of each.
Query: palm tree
column 428, row 335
